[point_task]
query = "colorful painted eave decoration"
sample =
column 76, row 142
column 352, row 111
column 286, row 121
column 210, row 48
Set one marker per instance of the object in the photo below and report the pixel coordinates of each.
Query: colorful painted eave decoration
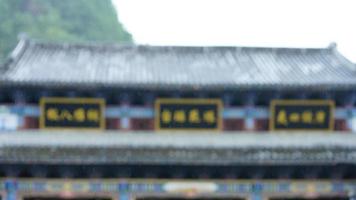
column 158, row 186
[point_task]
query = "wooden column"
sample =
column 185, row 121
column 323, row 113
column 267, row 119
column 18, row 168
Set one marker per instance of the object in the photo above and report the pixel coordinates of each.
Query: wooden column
column 249, row 116
column 125, row 120
column 227, row 101
column 349, row 105
column 149, row 99
column 19, row 100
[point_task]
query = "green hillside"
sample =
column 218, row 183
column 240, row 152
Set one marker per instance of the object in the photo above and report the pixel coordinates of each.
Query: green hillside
column 59, row 20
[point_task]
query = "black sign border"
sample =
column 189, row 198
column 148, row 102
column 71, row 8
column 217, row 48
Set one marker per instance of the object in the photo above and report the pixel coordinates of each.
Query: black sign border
column 275, row 102
column 64, row 100
column 217, row 102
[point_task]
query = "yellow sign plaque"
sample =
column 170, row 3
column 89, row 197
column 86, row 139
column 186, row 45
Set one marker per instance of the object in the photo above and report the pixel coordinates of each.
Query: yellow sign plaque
column 188, row 114
column 72, row 113
column 310, row 115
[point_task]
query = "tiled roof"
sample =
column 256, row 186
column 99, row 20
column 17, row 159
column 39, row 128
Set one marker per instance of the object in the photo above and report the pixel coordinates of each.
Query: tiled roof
column 52, row 64
column 187, row 148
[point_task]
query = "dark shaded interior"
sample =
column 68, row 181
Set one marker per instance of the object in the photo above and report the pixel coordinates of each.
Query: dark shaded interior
column 200, row 198
column 58, row 198
column 317, row 198
column 336, row 172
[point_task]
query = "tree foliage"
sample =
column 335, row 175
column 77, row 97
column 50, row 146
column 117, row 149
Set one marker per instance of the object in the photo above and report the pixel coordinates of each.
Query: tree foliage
column 59, row 20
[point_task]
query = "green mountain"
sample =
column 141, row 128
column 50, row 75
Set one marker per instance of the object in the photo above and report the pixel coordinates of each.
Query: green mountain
column 59, row 20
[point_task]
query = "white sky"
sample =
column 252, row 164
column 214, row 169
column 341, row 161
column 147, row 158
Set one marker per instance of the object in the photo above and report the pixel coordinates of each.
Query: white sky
column 277, row 23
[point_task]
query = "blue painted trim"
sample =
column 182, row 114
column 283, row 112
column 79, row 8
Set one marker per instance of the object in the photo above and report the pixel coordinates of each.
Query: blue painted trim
column 256, row 196
column 123, row 189
column 148, row 112
column 11, row 190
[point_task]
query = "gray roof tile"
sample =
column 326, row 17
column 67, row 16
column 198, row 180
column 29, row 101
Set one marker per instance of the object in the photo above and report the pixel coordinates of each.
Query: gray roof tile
column 54, row 64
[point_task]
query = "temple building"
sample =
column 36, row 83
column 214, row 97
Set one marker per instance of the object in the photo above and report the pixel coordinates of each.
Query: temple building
column 116, row 122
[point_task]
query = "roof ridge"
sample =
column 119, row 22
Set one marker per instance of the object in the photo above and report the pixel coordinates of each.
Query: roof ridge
column 36, row 42
column 107, row 44
column 14, row 56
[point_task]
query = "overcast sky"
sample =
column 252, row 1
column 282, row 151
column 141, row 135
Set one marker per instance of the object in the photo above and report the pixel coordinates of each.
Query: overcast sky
column 277, row 23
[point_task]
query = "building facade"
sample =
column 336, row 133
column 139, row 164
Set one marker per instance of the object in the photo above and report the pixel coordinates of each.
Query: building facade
column 180, row 123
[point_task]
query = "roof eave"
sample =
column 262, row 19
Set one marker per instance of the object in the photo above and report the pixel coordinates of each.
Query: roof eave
column 188, row 149
column 187, row 87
